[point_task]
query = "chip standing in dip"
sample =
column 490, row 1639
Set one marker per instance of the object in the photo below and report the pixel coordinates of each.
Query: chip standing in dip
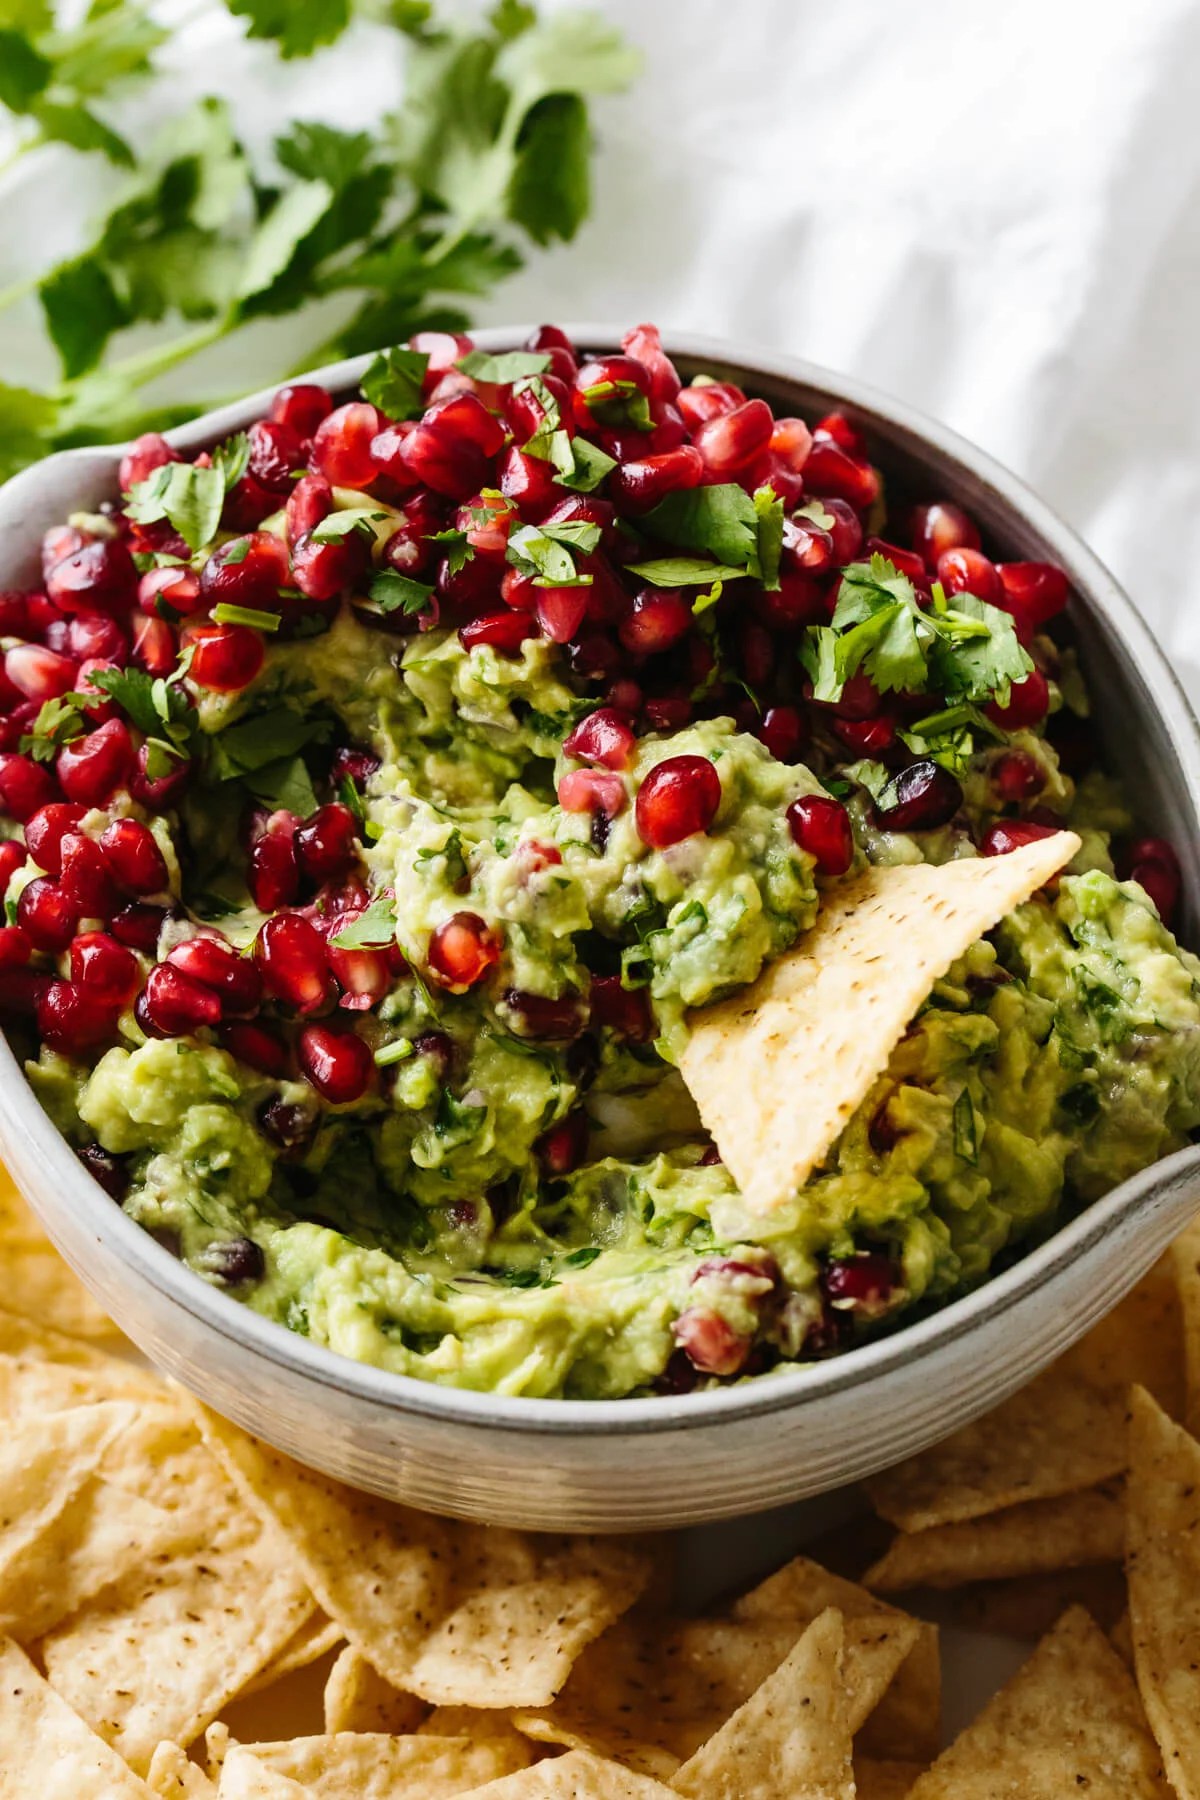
column 405, row 795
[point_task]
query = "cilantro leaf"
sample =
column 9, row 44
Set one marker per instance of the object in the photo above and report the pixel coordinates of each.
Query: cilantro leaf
column 591, row 466
column 458, row 551
column 188, row 497
column 768, row 509
column 376, row 926
column 298, row 27
column 545, row 551
column 82, row 310
column 336, row 526
column 683, row 571
column 284, row 784
column 503, row 367
column 392, row 592
column 550, row 193
column 394, row 380
column 157, row 707
column 264, row 739
column 58, row 722
column 24, row 72
column 720, row 520
column 977, row 665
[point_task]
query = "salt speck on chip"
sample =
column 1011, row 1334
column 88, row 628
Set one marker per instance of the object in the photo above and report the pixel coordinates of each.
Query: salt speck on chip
column 778, row 1069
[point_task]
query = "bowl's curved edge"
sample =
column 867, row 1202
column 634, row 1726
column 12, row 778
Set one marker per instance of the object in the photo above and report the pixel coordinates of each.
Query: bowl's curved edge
column 1151, row 1207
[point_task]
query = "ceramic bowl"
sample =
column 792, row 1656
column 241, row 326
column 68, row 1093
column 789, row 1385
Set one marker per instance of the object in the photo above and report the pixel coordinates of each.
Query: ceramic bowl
column 612, row 1465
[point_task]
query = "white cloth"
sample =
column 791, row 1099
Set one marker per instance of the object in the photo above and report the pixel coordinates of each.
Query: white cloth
column 991, row 211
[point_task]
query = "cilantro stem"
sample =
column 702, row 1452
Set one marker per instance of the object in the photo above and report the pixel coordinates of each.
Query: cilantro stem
column 21, row 148
column 19, row 290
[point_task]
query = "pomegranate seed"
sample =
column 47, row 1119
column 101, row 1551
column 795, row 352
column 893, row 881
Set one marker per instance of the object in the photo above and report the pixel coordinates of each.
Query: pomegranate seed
column 939, row 528
column 820, row 826
column 1153, row 850
column 134, row 859
column 1033, row 592
column 90, row 769
column 707, row 401
column 667, row 712
column 927, row 796
column 15, row 947
column 216, row 965
column 866, row 737
column 560, row 611
column 387, row 454
column 274, row 871
column 540, row 1016
column 12, row 858
column 290, row 954
column 589, row 791
column 1016, row 776
column 276, row 451
column 364, row 976
column 246, row 571
column 1006, row 835
column 519, row 591
column 338, row 1064
column 25, row 786
column 588, row 509
column 85, row 876
column 526, row 414
column 1028, row 703
column 829, row 470
column 504, row 631
column 323, row 571
column 791, row 441
column 160, row 792
column 732, row 440
column 301, row 406
column 341, row 446
column 968, row 571
column 173, row 1005
column 637, row 486
column 60, row 542
column 327, row 844
column 255, row 1046
column 835, row 428
column 709, row 1342
column 1161, row 883
column 40, row 674
column 154, row 646
column 461, row 951
column 443, row 348
column 247, row 504
column 679, row 797
column 783, row 731
column 353, row 765
column 863, row 1283
column 225, row 658
column 71, row 1020
column 807, row 548
column 644, row 344
column 94, row 636
column 310, row 501
column 138, row 926
column 561, row 1149
column 104, row 969
column 798, row 600
column 450, row 450
column 603, row 737
column 100, row 577
column 906, row 561
column 144, row 455
column 472, row 589
column 846, row 530
column 48, row 917
column 619, row 387
column 659, row 618
column 529, row 482
column 533, row 856
column 625, row 1011
column 860, row 699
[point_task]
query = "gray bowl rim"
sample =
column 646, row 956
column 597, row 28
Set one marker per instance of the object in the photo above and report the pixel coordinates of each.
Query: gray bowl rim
column 148, row 1261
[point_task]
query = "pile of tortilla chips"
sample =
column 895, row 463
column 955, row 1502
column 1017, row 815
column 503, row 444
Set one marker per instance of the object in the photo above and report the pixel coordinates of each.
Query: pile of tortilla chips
column 168, row 1583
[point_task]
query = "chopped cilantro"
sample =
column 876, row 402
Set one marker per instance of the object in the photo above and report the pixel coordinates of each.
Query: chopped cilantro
column 399, row 1050
column 684, row 571
column 582, row 1258
column 545, row 551
column 966, row 1142
column 458, row 551
column 189, row 498
column 336, row 526
column 506, row 367
column 225, row 614
column 768, row 508
column 58, row 722
column 392, row 592
column 394, row 382
column 618, row 404
column 719, row 521
column 374, row 927
column 590, row 466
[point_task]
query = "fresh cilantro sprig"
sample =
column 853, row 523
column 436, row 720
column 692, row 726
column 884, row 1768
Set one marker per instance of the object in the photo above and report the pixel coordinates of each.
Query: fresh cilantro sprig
column 386, row 232
column 966, row 651
column 547, row 552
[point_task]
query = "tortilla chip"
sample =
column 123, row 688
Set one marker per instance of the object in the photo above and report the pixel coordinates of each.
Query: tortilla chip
column 471, row 1722
column 173, row 1776
column 44, row 1465
column 1029, row 1606
column 792, row 1736
column 884, row 1780
column 577, row 1776
column 1066, row 1431
column 37, row 1280
column 1069, row 1722
column 654, row 1689
column 45, row 1371
column 46, row 1749
column 315, row 1639
column 1184, row 1255
column 1040, row 1536
column 1164, row 1585
column 159, row 1653
column 353, row 1765
column 907, row 1721
column 1121, row 1639
column 99, row 1539
column 244, row 1777
column 444, row 1610
column 823, row 1021
column 357, row 1698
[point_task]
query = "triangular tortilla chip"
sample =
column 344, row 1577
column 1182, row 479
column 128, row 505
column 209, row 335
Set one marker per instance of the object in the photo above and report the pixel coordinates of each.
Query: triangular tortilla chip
column 456, row 1615
column 907, row 1721
column 44, row 1371
column 792, row 1736
column 174, row 1776
column 36, row 1279
column 244, row 1777
column 46, row 1750
column 819, row 1026
column 361, row 1765
column 44, row 1465
column 1164, row 1585
column 577, row 1776
column 1033, row 1539
column 1068, row 1723
column 357, row 1698
column 1065, row 1431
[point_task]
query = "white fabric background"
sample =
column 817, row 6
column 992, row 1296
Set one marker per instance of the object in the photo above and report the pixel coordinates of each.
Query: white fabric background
column 990, row 210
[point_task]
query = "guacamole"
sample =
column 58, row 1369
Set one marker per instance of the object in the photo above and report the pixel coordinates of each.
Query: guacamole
column 459, row 782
